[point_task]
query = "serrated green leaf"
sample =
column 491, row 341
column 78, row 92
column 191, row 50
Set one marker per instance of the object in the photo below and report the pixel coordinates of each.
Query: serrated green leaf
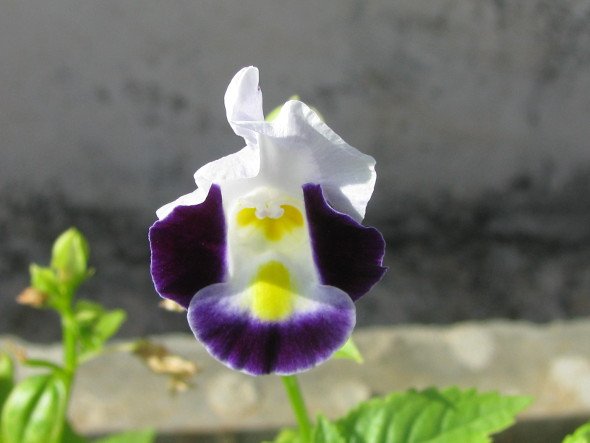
column 349, row 351
column 432, row 416
column 581, row 435
column 143, row 436
column 69, row 257
column 326, row 432
column 35, row 410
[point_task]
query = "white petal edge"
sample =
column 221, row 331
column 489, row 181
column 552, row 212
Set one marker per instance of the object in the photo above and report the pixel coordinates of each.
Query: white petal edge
column 194, row 198
column 239, row 165
column 242, row 164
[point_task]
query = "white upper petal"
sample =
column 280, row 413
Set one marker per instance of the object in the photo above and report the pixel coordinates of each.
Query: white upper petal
column 298, row 148
column 294, row 149
column 243, row 102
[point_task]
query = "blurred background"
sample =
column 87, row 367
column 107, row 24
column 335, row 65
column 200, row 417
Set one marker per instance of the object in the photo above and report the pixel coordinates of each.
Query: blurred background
column 477, row 112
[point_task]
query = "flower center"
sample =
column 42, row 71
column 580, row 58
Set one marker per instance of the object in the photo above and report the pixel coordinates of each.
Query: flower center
column 273, row 221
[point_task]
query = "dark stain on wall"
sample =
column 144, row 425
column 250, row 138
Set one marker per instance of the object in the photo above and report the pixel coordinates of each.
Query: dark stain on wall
column 522, row 253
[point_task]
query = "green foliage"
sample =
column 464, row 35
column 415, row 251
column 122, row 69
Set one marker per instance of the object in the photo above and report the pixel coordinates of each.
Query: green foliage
column 143, row 436
column 433, row 416
column 69, row 257
column 430, row 416
column 6, row 377
column 68, row 269
column 326, row 432
column 70, row 436
column 35, row 410
column 95, row 325
column 581, row 435
column 44, row 280
column 6, row 381
column 349, row 351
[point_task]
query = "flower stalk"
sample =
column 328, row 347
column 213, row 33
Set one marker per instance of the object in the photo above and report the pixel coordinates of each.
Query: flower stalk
column 70, row 345
column 298, row 404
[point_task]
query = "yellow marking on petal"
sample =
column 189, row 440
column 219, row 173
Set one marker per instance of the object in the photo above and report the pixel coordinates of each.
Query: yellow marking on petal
column 273, row 228
column 246, row 216
column 273, row 292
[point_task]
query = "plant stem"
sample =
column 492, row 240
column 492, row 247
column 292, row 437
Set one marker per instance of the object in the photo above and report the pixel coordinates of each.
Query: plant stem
column 68, row 325
column 298, row 404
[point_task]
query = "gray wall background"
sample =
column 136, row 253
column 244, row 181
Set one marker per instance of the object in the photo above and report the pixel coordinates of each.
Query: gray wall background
column 477, row 112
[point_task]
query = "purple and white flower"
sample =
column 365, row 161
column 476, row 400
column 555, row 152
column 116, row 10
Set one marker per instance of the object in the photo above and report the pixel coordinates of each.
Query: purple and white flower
column 268, row 254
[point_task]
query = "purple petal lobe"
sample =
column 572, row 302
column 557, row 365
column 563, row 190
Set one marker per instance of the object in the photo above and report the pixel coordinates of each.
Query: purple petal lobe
column 348, row 255
column 239, row 340
column 188, row 249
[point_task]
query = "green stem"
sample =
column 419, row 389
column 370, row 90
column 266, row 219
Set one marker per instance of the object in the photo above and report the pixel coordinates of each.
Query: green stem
column 68, row 324
column 298, row 405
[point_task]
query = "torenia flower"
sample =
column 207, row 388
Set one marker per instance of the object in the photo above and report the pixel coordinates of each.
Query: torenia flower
column 268, row 254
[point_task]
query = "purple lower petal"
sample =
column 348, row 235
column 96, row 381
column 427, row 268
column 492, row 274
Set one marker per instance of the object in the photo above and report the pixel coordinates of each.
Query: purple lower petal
column 258, row 347
column 348, row 255
column 188, row 249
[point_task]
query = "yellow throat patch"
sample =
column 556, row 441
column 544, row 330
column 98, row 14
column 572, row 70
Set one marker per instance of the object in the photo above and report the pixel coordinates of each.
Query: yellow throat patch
column 273, row 292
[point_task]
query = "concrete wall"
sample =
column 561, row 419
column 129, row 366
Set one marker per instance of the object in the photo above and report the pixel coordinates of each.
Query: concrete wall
column 476, row 111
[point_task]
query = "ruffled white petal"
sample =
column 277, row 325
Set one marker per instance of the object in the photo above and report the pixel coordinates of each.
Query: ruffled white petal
column 294, row 149
column 243, row 102
column 298, row 148
column 347, row 175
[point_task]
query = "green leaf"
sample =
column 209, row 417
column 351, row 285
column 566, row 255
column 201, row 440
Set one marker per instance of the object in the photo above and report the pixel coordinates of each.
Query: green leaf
column 6, row 377
column 143, row 436
column 87, row 312
column 432, row 416
column 326, row 432
column 70, row 436
column 70, row 257
column 44, row 280
column 6, row 381
column 581, row 435
column 35, row 410
column 349, row 351
column 38, row 363
column 109, row 323
column 96, row 325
